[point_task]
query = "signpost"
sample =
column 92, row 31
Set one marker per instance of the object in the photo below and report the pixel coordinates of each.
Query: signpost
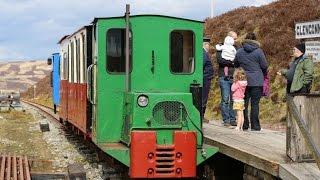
column 308, row 30
column 310, row 33
column 313, row 50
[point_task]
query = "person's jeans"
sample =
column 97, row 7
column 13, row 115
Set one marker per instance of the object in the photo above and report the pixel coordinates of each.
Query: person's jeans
column 205, row 93
column 226, row 104
column 252, row 94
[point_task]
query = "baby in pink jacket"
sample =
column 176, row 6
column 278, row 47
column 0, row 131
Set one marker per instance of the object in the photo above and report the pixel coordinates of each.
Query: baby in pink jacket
column 238, row 89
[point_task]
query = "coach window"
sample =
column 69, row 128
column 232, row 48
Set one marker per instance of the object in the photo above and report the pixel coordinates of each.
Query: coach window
column 72, row 62
column 69, row 63
column 182, row 52
column 84, row 64
column 65, row 66
column 78, row 60
column 116, row 61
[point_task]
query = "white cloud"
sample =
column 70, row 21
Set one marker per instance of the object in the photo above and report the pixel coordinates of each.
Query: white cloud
column 6, row 53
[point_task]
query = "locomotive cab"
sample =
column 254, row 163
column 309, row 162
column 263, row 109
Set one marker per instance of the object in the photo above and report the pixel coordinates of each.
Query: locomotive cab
column 149, row 120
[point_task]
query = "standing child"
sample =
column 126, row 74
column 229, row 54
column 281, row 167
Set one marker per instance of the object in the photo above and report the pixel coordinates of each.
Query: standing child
column 238, row 89
column 228, row 52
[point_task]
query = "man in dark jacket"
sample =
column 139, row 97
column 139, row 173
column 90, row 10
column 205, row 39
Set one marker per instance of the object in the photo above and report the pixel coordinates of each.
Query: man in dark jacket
column 207, row 75
column 252, row 59
column 300, row 73
column 225, row 82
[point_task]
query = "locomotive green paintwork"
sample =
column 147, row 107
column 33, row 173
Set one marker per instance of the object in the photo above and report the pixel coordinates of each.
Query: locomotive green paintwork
column 117, row 112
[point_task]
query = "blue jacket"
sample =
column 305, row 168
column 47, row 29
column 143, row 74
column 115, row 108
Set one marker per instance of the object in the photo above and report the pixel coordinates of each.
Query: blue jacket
column 252, row 59
column 207, row 66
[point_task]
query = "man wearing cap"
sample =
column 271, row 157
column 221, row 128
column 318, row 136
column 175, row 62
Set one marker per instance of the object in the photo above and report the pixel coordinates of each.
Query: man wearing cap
column 300, row 73
column 207, row 74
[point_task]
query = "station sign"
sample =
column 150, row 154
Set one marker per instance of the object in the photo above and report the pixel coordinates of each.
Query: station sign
column 313, row 50
column 308, row 30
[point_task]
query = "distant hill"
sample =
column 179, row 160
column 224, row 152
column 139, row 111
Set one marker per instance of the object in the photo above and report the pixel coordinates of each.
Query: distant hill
column 274, row 26
column 19, row 75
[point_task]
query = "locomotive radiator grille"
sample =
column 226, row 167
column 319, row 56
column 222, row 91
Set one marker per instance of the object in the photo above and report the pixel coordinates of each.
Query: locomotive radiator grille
column 176, row 160
column 165, row 157
column 169, row 113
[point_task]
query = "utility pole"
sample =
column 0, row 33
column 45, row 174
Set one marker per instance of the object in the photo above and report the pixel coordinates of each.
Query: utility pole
column 212, row 8
column 34, row 91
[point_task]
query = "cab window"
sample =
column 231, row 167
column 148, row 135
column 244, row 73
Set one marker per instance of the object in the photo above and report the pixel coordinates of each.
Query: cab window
column 182, row 52
column 116, row 48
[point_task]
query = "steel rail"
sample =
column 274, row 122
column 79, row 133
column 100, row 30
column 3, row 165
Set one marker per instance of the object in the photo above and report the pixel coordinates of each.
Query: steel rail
column 46, row 110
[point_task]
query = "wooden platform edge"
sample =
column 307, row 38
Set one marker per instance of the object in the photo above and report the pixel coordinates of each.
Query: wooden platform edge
column 257, row 162
column 303, row 171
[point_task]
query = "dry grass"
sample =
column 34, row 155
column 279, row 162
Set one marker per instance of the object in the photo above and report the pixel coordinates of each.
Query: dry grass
column 20, row 135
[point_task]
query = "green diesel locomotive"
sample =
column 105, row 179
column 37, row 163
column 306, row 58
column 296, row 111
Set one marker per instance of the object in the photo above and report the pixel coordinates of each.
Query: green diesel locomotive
column 132, row 85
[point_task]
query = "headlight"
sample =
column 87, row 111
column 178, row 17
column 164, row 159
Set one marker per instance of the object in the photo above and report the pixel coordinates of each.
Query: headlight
column 143, row 101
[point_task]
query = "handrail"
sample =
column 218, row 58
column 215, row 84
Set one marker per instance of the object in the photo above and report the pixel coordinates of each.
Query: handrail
column 303, row 128
column 89, row 77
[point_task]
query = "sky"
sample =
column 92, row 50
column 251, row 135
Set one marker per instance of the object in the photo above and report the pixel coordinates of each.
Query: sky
column 30, row 29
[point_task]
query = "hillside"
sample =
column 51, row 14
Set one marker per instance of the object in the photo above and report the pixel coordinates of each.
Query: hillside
column 274, row 26
column 42, row 92
column 20, row 75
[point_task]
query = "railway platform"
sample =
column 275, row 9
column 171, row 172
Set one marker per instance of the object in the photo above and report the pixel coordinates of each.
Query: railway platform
column 265, row 151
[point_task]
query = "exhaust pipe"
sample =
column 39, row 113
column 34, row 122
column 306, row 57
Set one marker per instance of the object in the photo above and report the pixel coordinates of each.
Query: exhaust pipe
column 127, row 85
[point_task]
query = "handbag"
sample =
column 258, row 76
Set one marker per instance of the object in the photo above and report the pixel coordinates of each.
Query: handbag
column 266, row 85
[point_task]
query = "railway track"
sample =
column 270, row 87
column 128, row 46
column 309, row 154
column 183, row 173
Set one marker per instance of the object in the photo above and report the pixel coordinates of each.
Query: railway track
column 48, row 111
column 84, row 146
column 88, row 149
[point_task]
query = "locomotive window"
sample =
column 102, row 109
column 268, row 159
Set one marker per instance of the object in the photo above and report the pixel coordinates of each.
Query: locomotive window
column 182, row 52
column 116, row 46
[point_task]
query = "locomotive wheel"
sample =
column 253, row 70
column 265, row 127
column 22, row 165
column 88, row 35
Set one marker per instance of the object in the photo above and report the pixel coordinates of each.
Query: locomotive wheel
column 206, row 173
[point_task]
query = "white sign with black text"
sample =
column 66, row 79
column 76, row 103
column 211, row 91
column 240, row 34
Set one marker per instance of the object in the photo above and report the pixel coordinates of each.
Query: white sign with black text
column 313, row 50
column 308, row 30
